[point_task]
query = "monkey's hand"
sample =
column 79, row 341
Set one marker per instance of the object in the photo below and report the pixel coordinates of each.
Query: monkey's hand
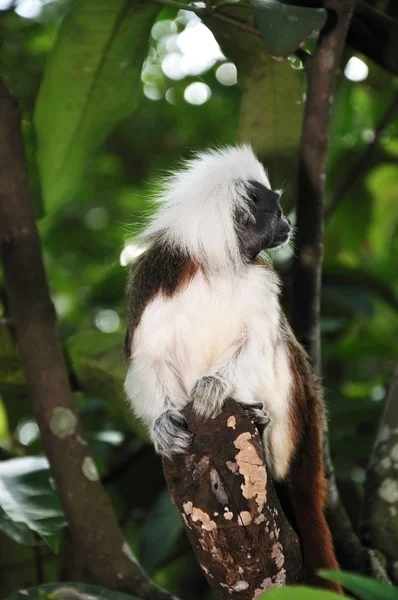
column 170, row 434
column 209, row 394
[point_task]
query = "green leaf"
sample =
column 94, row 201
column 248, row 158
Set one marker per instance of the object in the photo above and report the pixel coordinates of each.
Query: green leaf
column 299, row 593
column 284, row 27
column 91, row 82
column 28, row 501
column 58, row 591
column 271, row 107
column 363, row 587
column 161, row 529
column 16, row 531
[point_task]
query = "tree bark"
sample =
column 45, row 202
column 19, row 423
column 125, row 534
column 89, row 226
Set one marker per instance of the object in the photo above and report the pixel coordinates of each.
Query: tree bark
column 379, row 523
column 232, row 515
column 322, row 68
column 88, row 510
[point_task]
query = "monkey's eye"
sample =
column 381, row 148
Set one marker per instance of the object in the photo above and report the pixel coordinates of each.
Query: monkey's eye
column 279, row 213
column 245, row 219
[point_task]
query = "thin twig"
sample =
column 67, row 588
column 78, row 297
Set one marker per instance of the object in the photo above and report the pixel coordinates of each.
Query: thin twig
column 362, row 160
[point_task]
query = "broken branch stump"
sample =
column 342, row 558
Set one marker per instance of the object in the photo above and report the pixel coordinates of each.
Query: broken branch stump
column 226, row 498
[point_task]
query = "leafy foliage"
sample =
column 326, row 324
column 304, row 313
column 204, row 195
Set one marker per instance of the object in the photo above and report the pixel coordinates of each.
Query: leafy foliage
column 285, row 27
column 90, row 83
column 28, row 503
column 363, row 587
column 113, row 93
column 299, row 593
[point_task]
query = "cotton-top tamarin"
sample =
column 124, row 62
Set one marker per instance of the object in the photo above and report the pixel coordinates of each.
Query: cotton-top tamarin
column 205, row 324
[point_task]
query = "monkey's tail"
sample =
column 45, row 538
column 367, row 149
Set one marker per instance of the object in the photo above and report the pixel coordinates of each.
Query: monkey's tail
column 307, row 492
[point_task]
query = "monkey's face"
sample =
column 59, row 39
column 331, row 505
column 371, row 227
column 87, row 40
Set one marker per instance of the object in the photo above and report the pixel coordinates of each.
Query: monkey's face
column 265, row 227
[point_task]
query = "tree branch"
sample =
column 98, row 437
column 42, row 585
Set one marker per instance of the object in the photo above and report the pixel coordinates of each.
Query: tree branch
column 232, row 515
column 362, row 160
column 89, row 513
column 322, row 69
column 379, row 524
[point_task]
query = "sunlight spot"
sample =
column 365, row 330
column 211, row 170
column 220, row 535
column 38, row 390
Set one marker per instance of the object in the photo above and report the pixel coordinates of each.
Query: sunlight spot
column 97, row 218
column 171, row 66
column 199, row 49
column 29, row 9
column 5, row 4
column 368, row 135
column 152, row 92
column 197, row 93
column 163, row 28
column 378, row 393
column 107, row 320
column 171, row 96
column 356, row 69
column 28, row 432
column 227, row 74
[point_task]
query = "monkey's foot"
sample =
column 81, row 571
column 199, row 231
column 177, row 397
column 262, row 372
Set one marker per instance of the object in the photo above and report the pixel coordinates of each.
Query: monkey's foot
column 208, row 395
column 170, row 434
column 257, row 415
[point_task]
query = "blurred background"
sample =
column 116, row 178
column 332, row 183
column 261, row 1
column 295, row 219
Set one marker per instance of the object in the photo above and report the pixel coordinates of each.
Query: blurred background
column 189, row 99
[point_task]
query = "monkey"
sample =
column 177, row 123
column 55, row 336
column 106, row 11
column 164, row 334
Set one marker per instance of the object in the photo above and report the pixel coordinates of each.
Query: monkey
column 205, row 323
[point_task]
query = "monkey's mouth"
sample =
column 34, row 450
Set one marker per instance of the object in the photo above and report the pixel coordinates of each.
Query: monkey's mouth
column 279, row 241
column 282, row 234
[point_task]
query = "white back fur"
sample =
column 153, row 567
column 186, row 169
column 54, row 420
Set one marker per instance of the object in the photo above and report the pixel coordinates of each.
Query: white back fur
column 197, row 205
column 226, row 323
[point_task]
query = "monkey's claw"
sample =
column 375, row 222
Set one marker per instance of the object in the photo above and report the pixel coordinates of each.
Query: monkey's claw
column 170, row 434
column 257, row 415
column 208, row 395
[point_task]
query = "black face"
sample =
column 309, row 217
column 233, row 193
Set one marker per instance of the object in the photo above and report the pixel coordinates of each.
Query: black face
column 269, row 228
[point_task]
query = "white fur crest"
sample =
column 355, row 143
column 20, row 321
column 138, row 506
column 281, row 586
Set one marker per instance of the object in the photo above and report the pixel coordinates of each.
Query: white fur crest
column 197, row 205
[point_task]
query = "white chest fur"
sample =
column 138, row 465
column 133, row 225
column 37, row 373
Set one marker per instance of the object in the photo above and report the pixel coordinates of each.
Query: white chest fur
column 215, row 326
column 200, row 329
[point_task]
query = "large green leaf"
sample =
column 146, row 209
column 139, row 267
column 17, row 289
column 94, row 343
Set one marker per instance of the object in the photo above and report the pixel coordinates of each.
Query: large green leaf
column 161, row 529
column 91, row 82
column 59, row 591
column 299, row 593
column 363, row 587
column 28, row 502
column 271, row 102
column 285, row 27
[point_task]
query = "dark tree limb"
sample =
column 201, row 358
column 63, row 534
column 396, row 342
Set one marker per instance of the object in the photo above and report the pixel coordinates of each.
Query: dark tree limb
column 379, row 514
column 91, row 520
column 362, row 160
column 322, row 70
column 223, row 492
